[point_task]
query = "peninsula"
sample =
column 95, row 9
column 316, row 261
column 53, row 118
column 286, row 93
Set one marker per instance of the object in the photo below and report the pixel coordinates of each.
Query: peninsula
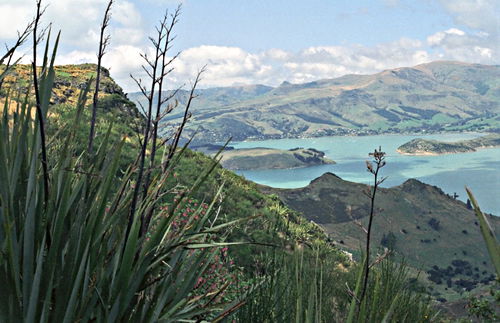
column 268, row 158
column 434, row 147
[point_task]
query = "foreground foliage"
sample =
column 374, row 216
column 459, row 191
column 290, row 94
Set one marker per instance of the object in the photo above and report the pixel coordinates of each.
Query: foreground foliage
column 84, row 238
column 71, row 250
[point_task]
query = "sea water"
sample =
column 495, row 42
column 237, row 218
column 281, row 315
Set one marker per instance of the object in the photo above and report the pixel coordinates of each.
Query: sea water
column 451, row 172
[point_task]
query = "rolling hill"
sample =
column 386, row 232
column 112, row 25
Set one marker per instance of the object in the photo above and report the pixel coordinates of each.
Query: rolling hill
column 434, row 97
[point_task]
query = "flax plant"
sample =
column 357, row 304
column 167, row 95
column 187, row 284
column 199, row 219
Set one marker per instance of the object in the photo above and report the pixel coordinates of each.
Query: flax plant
column 66, row 256
column 384, row 296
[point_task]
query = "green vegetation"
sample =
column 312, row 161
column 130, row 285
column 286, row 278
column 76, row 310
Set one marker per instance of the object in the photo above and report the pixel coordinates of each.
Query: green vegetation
column 65, row 252
column 434, row 147
column 487, row 308
column 140, row 229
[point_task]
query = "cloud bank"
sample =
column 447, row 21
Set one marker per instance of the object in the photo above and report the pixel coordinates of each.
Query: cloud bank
column 476, row 41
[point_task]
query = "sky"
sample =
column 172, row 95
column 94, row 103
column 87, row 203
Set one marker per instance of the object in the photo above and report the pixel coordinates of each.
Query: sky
column 268, row 42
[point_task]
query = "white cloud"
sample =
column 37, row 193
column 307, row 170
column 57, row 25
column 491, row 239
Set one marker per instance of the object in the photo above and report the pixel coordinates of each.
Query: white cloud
column 455, row 44
column 126, row 14
column 228, row 66
column 477, row 14
column 14, row 15
column 79, row 20
column 276, row 54
column 225, row 65
column 438, row 38
column 473, row 39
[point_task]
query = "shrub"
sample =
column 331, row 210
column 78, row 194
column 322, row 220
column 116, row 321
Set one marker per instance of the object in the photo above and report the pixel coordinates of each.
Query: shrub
column 434, row 223
column 389, row 241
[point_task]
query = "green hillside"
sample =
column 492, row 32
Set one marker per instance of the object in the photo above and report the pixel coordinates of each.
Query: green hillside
column 242, row 198
column 433, row 97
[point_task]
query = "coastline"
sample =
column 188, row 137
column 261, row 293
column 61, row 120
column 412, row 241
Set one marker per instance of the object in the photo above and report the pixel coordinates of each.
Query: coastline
column 251, row 139
column 467, row 146
column 428, row 153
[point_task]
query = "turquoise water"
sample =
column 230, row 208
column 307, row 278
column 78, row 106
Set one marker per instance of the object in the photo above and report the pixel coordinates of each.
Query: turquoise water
column 478, row 170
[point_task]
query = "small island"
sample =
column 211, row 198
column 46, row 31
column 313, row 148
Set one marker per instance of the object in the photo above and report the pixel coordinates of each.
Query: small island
column 434, row 147
column 268, row 158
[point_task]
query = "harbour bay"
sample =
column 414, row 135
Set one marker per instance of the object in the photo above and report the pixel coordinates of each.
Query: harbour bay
column 451, row 172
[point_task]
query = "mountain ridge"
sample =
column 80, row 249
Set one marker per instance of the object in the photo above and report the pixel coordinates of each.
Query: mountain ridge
column 437, row 96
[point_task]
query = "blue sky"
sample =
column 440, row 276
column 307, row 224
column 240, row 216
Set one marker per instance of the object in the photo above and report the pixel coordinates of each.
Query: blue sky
column 293, row 25
column 268, row 42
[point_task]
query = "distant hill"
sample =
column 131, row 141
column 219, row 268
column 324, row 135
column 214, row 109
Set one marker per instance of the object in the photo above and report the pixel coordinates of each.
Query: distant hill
column 433, row 147
column 431, row 229
column 436, row 96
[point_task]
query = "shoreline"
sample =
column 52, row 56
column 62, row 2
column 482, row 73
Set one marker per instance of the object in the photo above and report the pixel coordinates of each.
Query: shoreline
column 427, row 153
column 276, row 168
column 365, row 135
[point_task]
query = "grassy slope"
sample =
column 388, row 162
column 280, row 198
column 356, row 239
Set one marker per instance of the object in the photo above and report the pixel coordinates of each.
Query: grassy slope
column 70, row 80
column 426, row 146
column 435, row 96
column 241, row 198
column 408, row 211
column 114, row 106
